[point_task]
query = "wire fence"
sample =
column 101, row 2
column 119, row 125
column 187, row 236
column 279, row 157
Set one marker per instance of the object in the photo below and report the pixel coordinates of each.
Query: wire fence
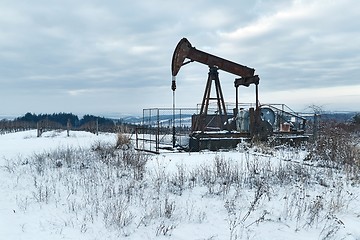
column 163, row 128
column 167, row 128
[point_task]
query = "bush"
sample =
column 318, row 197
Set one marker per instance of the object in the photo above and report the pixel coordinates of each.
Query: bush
column 336, row 146
column 356, row 119
column 123, row 141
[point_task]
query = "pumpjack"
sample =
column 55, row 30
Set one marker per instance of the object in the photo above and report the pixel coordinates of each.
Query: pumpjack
column 222, row 129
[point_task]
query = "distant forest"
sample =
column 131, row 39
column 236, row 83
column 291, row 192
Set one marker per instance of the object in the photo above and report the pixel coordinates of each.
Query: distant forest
column 64, row 121
column 63, row 118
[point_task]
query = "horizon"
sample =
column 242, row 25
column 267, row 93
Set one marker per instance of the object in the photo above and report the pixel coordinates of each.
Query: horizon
column 125, row 115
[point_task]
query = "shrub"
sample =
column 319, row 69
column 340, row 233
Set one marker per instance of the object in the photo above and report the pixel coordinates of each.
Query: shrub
column 123, row 141
column 335, row 146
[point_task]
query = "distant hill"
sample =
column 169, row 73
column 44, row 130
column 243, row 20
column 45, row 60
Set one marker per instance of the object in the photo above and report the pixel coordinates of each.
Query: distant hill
column 338, row 116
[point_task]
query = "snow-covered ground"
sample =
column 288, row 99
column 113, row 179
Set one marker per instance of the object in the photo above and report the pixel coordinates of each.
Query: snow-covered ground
column 60, row 187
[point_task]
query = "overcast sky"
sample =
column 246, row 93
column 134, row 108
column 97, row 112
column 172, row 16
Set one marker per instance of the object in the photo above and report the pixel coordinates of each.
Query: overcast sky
column 114, row 57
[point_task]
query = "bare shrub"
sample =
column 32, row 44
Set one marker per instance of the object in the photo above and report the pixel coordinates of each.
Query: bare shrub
column 40, row 161
column 227, row 174
column 331, row 228
column 261, row 189
column 335, row 146
column 237, row 221
column 207, row 178
column 117, row 214
column 283, row 174
column 169, row 208
column 164, row 230
column 233, row 218
column 178, row 180
column 42, row 193
column 134, row 161
column 264, row 148
column 315, row 209
column 10, row 165
column 123, row 141
column 121, row 157
column 105, row 150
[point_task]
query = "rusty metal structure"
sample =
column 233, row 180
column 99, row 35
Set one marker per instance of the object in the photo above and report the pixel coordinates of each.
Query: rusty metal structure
column 211, row 125
column 224, row 129
column 184, row 50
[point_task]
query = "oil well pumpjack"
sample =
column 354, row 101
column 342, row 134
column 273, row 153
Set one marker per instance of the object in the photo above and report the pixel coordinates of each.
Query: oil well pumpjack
column 222, row 129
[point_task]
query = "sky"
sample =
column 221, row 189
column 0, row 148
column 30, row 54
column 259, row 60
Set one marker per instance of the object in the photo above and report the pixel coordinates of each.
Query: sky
column 114, row 57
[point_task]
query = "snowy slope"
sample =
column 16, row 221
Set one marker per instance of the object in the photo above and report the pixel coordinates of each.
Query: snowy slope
column 55, row 187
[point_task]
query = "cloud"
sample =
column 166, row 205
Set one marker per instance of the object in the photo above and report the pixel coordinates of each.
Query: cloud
column 305, row 44
column 125, row 47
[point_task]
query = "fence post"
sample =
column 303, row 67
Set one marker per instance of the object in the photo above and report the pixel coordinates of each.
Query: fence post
column 38, row 129
column 68, row 127
column 158, row 132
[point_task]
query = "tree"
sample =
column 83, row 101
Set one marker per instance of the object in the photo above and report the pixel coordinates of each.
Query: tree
column 356, row 119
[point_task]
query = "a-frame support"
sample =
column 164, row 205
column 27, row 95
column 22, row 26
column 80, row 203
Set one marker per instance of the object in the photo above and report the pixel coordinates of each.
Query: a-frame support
column 201, row 123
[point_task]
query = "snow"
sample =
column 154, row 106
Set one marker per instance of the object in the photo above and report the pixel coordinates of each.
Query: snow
column 247, row 193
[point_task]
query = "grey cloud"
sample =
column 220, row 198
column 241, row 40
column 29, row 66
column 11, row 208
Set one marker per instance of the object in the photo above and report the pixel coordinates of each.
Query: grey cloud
column 120, row 48
column 304, row 45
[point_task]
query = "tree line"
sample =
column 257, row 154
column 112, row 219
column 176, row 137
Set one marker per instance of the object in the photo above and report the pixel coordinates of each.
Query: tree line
column 63, row 121
column 64, row 118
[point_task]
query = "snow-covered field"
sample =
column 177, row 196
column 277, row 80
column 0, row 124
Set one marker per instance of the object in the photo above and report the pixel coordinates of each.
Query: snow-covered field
column 79, row 187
